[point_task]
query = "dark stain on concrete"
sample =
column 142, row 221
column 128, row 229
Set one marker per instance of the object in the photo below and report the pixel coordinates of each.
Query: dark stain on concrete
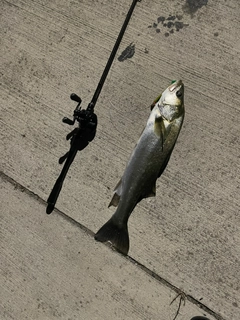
column 192, row 6
column 171, row 23
column 127, row 53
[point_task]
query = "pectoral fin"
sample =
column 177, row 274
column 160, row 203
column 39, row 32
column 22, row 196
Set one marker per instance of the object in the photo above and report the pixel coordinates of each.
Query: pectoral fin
column 159, row 129
column 117, row 194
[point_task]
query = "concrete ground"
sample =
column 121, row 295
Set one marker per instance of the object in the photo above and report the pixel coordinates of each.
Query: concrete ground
column 186, row 240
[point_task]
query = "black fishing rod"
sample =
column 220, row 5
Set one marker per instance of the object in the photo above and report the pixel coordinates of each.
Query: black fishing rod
column 87, row 120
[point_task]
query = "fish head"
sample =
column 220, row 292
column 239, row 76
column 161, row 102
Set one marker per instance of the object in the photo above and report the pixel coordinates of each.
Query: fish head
column 171, row 102
column 173, row 95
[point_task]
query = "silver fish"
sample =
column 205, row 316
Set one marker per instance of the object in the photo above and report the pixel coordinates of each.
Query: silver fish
column 147, row 162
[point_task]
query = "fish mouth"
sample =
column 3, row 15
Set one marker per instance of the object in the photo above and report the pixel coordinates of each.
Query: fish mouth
column 176, row 86
column 178, row 89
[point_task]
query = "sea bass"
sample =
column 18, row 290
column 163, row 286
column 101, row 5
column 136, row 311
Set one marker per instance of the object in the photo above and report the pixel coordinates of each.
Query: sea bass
column 147, row 162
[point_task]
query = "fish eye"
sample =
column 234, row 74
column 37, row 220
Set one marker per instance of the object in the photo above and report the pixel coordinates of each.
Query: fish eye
column 179, row 93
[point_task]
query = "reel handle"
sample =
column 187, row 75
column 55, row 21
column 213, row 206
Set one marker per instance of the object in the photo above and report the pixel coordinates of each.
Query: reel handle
column 75, row 98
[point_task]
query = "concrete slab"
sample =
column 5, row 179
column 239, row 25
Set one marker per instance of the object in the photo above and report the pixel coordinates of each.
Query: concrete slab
column 189, row 234
column 53, row 269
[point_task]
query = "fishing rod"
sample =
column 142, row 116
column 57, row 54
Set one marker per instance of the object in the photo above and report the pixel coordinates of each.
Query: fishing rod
column 87, row 120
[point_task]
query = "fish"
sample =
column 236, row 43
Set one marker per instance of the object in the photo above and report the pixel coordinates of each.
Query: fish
column 146, row 164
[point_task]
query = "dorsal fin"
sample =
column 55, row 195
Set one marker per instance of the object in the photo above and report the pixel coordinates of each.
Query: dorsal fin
column 115, row 200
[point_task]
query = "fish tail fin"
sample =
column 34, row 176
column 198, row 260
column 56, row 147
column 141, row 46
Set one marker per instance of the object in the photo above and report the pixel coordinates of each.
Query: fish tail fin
column 117, row 235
